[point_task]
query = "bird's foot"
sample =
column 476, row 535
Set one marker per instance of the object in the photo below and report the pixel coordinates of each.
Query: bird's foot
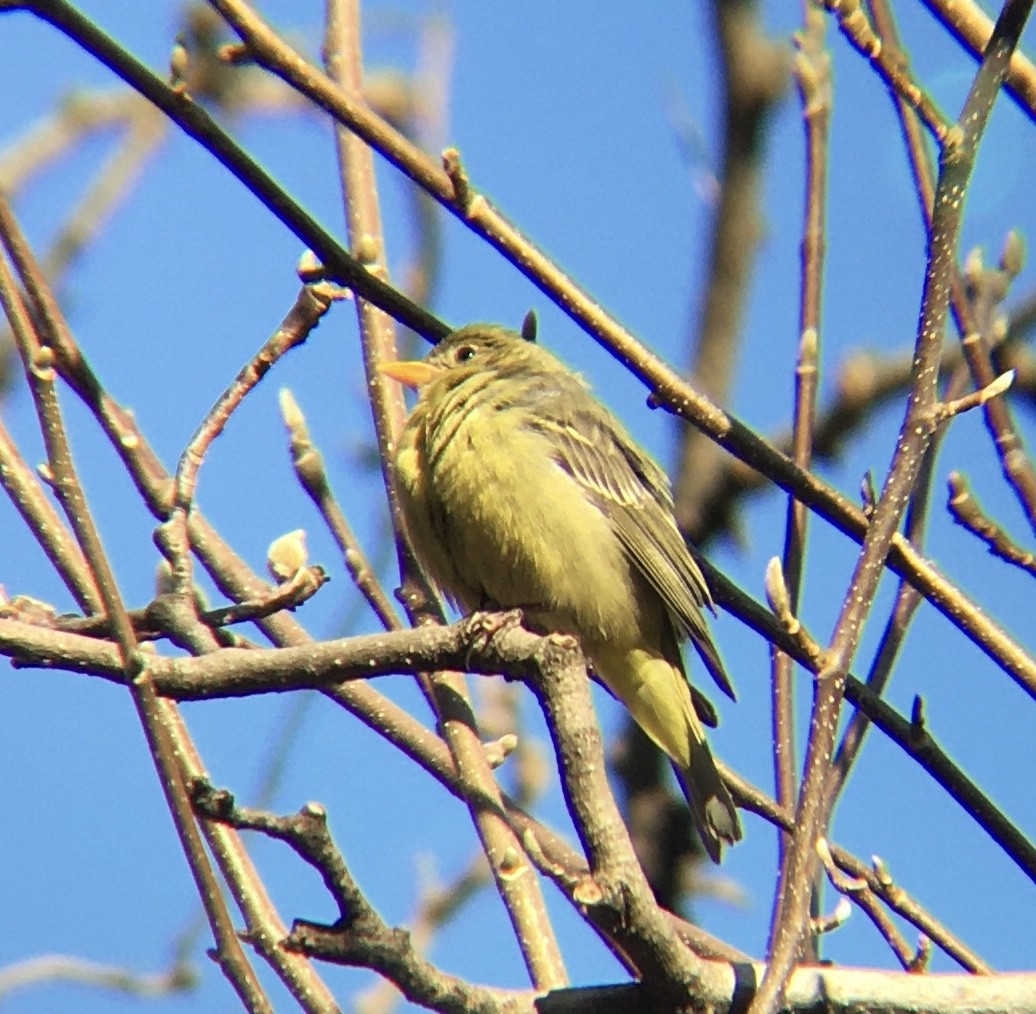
column 481, row 628
column 568, row 642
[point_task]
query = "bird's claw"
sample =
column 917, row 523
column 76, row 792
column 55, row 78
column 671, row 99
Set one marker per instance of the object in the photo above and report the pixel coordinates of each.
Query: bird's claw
column 481, row 628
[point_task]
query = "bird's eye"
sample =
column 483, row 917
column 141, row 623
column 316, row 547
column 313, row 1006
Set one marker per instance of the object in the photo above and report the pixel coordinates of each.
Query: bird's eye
column 464, row 353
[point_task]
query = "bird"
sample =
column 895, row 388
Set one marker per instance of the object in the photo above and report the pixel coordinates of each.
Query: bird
column 519, row 489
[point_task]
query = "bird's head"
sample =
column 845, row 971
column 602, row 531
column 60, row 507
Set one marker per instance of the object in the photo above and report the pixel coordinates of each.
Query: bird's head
column 476, row 349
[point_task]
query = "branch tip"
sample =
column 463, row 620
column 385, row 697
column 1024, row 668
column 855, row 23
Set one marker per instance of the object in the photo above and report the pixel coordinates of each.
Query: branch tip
column 454, row 168
column 1012, row 257
column 310, row 268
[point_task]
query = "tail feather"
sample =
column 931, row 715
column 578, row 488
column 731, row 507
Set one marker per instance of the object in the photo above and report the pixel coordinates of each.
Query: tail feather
column 662, row 702
column 712, row 809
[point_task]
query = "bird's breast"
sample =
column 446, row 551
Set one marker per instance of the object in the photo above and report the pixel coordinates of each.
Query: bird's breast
column 515, row 530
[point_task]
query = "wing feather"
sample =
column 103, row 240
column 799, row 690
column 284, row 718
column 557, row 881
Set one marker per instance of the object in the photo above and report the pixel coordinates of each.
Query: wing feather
column 634, row 494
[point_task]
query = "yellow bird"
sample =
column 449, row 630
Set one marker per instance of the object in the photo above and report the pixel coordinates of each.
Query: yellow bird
column 520, row 490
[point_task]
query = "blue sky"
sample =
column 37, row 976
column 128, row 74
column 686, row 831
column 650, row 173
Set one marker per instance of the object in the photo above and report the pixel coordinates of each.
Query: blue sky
column 561, row 115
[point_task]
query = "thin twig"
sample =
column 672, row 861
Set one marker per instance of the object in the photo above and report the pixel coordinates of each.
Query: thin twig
column 436, row 906
column 359, row 937
column 812, row 75
column 903, row 609
column 310, row 305
column 145, row 131
column 864, row 384
column 859, row 891
column 264, row 929
column 967, row 513
column 752, row 799
column 853, row 24
column 48, row 530
column 985, row 290
column 308, row 463
column 76, row 120
column 179, row 978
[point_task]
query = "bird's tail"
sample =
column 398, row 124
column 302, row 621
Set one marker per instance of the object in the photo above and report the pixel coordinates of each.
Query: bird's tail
column 712, row 809
column 657, row 694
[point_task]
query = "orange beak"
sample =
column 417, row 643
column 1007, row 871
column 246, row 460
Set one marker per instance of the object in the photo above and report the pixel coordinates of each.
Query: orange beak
column 413, row 373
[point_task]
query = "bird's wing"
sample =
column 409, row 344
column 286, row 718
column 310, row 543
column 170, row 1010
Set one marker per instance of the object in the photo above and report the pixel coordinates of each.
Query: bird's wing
column 634, row 494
